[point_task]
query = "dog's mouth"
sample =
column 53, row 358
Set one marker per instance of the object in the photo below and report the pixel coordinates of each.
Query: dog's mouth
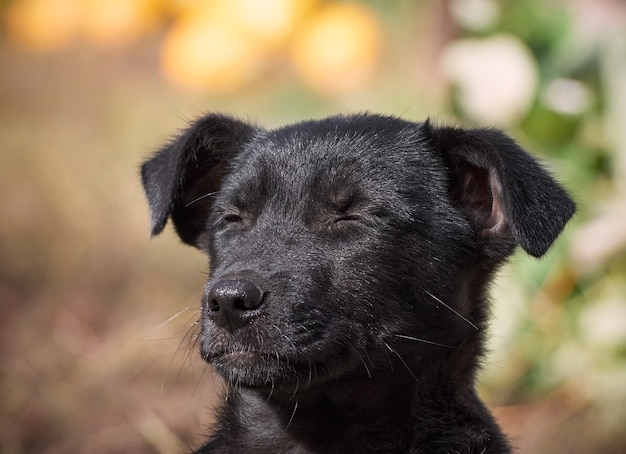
column 275, row 370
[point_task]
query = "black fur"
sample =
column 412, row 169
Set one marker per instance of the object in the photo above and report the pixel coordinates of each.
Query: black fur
column 350, row 259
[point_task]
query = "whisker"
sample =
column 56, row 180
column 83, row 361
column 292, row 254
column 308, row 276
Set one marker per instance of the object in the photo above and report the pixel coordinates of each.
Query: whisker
column 194, row 337
column 200, row 198
column 191, row 337
column 173, row 317
column 186, row 359
column 295, row 407
column 272, row 385
column 295, row 392
column 364, row 362
column 425, row 341
column 452, row 309
column 392, row 350
column 197, row 386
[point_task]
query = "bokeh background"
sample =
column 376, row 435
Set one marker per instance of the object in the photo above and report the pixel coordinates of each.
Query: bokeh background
column 98, row 322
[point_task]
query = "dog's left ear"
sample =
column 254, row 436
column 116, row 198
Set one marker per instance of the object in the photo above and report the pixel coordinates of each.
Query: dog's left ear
column 180, row 178
column 502, row 189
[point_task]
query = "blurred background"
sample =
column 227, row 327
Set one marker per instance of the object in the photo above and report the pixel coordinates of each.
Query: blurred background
column 98, row 323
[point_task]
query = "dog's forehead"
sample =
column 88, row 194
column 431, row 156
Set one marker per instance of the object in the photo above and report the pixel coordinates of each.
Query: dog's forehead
column 337, row 158
column 362, row 147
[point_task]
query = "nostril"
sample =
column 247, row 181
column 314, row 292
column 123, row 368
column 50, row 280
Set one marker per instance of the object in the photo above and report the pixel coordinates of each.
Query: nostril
column 250, row 296
column 214, row 306
column 240, row 304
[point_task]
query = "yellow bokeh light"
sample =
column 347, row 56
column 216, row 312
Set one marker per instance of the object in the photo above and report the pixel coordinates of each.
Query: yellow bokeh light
column 268, row 22
column 119, row 22
column 223, row 46
column 338, row 50
column 42, row 25
column 204, row 53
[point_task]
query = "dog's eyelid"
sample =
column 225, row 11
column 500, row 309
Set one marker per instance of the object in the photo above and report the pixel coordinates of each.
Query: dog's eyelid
column 232, row 217
column 348, row 217
column 230, row 214
column 364, row 215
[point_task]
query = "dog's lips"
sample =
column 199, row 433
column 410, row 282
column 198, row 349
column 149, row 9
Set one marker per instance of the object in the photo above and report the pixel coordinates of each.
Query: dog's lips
column 237, row 357
column 247, row 358
column 250, row 368
column 262, row 369
column 243, row 359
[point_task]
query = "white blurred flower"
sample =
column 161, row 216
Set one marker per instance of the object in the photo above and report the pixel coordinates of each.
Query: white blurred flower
column 604, row 323
column 567, row 96
column 496, row 77
column 475, row 14
column 600, row 238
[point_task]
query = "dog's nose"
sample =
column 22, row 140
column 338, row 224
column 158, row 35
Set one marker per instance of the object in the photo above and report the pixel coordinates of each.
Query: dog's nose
column 231, row 303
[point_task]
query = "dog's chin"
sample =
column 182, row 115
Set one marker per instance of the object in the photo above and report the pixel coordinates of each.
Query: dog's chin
column 276, row 373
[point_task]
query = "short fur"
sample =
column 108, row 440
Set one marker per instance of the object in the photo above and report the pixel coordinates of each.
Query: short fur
column 350, row 259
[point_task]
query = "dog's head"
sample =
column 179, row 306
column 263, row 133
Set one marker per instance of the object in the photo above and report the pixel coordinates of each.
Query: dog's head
column 346, row 246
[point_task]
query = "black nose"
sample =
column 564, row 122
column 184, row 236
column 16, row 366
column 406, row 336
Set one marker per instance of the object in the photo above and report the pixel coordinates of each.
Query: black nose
column 231, row 303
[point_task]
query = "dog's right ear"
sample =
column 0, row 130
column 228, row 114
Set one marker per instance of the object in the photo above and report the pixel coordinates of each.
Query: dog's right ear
column 182, row 175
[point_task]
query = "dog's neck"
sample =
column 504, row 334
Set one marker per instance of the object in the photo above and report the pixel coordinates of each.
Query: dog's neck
column 361, row 415
column 366, row 413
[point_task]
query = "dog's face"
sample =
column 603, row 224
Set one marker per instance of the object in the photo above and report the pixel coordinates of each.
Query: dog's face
column 346, row 247
column 346, row 240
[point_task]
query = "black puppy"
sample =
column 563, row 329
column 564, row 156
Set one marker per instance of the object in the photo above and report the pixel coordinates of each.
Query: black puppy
column 350, row 260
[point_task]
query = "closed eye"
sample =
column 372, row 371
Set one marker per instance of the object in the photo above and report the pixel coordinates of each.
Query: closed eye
column 229, row 215
column 368, row 217
column 348, row 217
column 232, row 218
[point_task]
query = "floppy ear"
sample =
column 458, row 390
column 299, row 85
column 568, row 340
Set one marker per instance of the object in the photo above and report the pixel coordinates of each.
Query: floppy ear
column 181, row 176
column 503, row 190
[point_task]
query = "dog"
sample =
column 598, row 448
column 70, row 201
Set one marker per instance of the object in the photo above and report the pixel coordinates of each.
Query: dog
column 350, row 259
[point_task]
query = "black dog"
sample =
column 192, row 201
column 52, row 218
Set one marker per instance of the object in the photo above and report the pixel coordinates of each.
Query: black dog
column 350, row 259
